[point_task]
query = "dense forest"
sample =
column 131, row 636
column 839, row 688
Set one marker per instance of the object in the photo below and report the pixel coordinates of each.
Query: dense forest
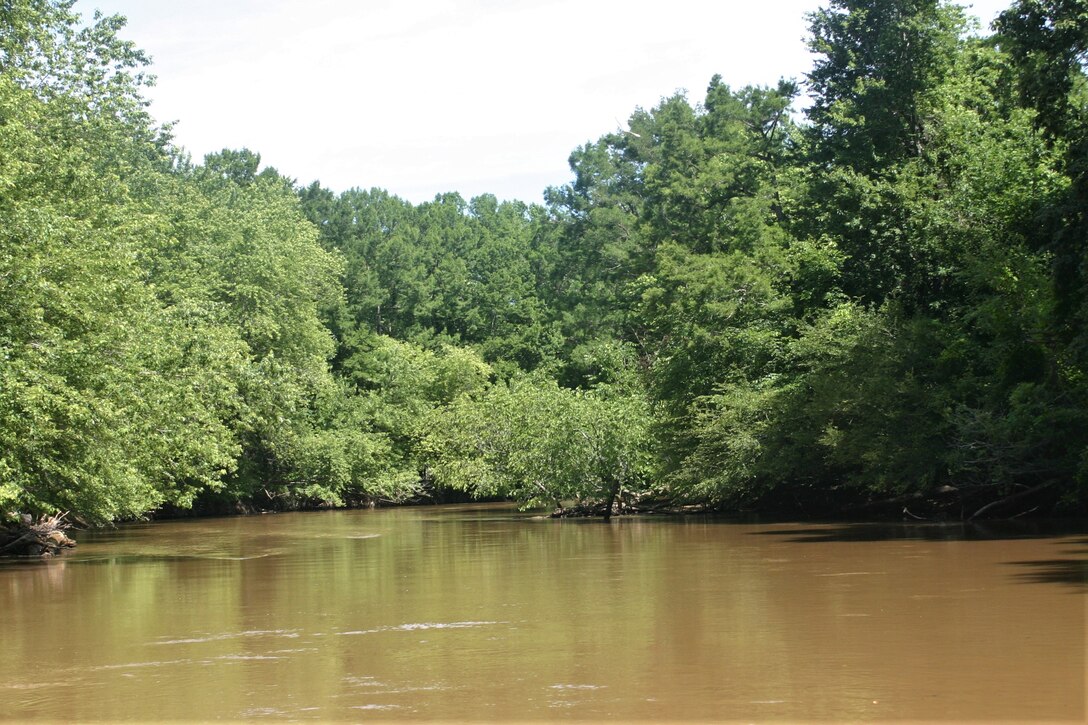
column 877, row 305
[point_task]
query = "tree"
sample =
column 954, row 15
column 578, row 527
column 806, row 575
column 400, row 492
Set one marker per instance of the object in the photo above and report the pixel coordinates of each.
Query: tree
column 877, row 61
column 105, row 409
column 540, row 444
column 1048, row 42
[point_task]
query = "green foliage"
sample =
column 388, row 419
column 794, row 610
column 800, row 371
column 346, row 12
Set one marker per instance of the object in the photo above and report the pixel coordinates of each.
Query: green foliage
column 443, row 272
column 104, row 408
column 400, row 384
column 1048, row 42
column 160, row 333
column 877, row 60
column 540, row 444
column 724, row 305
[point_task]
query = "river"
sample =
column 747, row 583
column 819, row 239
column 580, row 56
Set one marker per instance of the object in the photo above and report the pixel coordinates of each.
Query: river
column 485, row 613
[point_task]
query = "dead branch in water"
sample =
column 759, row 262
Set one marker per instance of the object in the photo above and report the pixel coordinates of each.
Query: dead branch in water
column 45, row 538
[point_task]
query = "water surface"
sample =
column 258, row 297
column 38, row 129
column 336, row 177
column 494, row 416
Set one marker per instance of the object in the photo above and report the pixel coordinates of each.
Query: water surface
column 484, row 613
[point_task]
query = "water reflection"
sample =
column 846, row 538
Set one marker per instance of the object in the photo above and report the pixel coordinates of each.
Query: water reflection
column 1072, row 570
column 940, row 531
column 483, row 613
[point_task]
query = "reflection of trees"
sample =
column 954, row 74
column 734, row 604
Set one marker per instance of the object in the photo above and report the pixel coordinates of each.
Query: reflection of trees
column 1069, row 571
column 710, row 619
column 1056, row 571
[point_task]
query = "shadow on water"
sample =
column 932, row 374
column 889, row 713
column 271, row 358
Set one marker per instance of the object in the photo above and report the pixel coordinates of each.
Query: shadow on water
column 958, row 531
column 1071, row 572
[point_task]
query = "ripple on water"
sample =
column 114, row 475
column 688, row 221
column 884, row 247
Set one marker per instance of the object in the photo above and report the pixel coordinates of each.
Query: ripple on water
column 286, row 633
column 237, row 658
column 184, row 661
column 253, row 712
column 363, row 681
column 570, row 692
column 417, row 688
column 376, row 707
column 417, row 626
column 135, row 665
column 374, row 687
column 225, row 557
column 32, row 685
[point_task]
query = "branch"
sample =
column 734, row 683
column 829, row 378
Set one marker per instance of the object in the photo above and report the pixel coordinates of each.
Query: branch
column 1009, row 499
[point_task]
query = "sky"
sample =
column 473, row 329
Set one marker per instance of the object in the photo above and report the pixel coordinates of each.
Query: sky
column 421, row 97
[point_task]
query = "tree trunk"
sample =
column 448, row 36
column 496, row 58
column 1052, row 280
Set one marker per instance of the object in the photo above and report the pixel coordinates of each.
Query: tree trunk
column 612, row 494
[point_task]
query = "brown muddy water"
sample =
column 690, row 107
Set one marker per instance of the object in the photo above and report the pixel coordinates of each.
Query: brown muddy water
column 485, row 613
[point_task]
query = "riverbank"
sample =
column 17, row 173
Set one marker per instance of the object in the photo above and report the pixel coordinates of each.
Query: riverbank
column 49, row 535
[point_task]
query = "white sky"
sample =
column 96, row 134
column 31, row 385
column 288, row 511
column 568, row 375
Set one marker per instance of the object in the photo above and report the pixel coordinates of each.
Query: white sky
column 421, row 97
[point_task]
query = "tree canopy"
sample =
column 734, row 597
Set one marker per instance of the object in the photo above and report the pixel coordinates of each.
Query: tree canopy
column 875, row 304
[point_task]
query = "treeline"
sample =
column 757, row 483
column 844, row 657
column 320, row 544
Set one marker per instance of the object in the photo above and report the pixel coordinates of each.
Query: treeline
column 161, row 338
column 879, row 308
